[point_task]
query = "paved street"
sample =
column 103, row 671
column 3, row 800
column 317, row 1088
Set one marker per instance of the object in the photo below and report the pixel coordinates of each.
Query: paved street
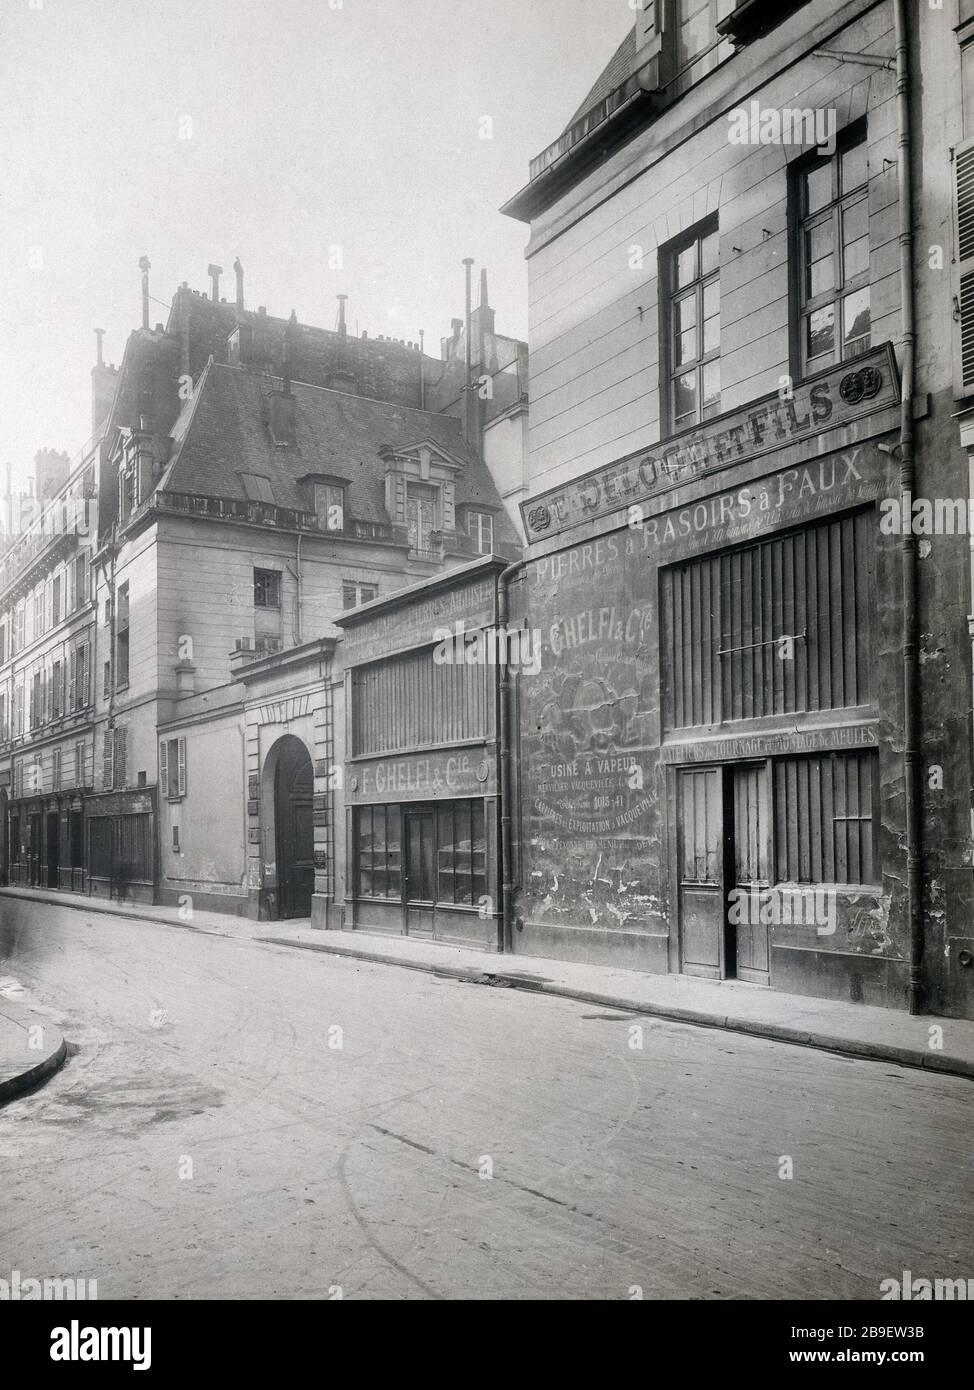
column 208, row 1141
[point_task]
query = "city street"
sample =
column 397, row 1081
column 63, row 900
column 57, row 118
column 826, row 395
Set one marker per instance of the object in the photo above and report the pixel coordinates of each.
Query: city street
column 244, row 1120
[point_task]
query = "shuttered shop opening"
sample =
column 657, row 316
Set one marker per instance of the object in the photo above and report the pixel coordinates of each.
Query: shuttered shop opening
column 779, row 627
column 120, row 848
column 414, row 701
column 824, row 817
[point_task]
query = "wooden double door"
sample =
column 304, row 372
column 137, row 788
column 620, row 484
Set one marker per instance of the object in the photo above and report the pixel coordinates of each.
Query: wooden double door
column 723, row 864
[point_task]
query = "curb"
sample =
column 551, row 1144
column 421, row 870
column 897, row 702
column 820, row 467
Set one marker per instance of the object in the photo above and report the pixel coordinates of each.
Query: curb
column 42, row 1071
column 776, row 1032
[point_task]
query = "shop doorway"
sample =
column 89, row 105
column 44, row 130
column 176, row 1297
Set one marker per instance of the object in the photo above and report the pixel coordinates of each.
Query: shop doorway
column 418, row 884
column 294, row 827
column 723, row 864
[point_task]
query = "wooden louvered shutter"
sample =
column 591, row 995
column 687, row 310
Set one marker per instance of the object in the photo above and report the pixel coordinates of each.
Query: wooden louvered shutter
column 108, row 760
column 181, row 771
column 964, row 267
column 119, row 769
column 164, row 768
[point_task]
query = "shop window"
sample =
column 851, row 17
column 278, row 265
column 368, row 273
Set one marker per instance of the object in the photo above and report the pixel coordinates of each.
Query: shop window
column 832, row 197
column 480, row 527
column 267, row 588
column 461, row 853
column 691, row 328
column 378, row 847
column 354, row 593
column 122, row 637
column 172, row 768
column 824, row 812
column 774, row 628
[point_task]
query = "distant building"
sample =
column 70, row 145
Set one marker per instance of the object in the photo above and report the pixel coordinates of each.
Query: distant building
column 254, row 478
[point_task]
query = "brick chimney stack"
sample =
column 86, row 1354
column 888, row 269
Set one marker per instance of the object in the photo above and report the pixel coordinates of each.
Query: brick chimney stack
column 214, row 272
column 145, row 267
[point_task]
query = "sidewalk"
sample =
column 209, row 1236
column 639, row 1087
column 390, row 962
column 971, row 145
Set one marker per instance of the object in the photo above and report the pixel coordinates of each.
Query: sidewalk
column 856, row 1030
column 30, row 1050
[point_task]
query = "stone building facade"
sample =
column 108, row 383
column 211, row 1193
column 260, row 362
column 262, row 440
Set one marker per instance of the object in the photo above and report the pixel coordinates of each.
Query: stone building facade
column 748, row 753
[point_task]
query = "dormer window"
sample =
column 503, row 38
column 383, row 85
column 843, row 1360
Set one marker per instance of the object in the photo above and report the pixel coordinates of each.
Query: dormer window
column 480, row 528
column 421, row 516
column 330, row 506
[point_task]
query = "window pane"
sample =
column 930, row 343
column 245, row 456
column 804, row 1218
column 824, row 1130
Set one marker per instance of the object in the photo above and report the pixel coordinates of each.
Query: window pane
column 686, row 266
column 819, row 245
column 479, row 880
column 445, row 862
column 685, row 399
column 709, row 250
column 393, row 857
column 818, row 186
column 853, row 167
column 855, row 323
column 685, row 330
column 855, row 238
column 711, row 317
column 365, row 850
column 821, row 332
column 464, row 860
column 711, row 389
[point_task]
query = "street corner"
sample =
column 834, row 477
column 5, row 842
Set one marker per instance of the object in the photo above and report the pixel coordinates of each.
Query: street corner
column 31, row 1050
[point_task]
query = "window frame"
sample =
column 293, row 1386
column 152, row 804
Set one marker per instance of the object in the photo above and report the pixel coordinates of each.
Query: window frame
column 670, row 293
column 476, row 528
column 842, row 288
column 272, row 579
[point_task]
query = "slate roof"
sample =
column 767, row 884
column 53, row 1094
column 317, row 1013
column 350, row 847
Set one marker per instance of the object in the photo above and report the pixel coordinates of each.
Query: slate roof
column 222, row 433
column 620, row 66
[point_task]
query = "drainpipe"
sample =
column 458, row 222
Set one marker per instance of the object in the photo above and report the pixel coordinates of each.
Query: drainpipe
column 505, row 927
column 911, row 750
column 297, row 615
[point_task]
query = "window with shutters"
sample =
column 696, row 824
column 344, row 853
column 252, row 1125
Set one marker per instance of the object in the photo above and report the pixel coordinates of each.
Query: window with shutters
column 690, row 307
column 80, row 768
column 38, row 612
column 81, row 579
column 57, row 689
column 56, row 770
column 36, row 701
column 113, row 759
column 122, row 637
column 172, row 768
column 55, row 600
column 830, row 200
column 776, row 628
column 964, row 268
column 78, row 676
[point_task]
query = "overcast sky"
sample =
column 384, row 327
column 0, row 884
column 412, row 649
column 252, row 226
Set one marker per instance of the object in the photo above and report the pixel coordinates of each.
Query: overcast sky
column 200, row 130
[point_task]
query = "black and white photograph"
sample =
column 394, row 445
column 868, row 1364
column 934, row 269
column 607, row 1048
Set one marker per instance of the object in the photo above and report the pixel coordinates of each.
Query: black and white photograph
column 486, row 668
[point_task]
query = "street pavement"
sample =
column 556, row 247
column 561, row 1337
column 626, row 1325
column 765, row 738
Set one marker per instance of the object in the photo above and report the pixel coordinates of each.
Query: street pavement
column 243, row 1120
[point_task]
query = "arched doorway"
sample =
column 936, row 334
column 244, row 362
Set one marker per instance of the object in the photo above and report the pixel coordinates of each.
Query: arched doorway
column 293, row 792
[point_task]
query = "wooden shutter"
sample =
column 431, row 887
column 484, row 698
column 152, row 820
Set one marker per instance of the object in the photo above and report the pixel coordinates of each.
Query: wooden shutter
column 164, row 768
column 120, row 757
column 181, row 777
column 964, row 268
column 108, row 760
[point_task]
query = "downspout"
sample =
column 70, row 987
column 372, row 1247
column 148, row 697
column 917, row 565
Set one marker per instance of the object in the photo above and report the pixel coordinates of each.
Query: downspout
column 297, row 576
column 911, row 751
column 505, row 927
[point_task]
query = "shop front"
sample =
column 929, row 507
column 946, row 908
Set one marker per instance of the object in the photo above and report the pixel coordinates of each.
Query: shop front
column 420, row 774
column 711, row 756
column 121, row 835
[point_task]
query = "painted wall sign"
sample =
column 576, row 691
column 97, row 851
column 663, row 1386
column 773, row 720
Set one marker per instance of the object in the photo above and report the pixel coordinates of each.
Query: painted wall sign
column 770, row 744
column 411, row 626
column 828, row 400
column 421, row 777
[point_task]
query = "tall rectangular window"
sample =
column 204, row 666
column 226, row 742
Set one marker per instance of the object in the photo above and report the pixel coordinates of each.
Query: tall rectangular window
column 833, row 257
column 122, row 637
column 691, row 313
column 480, row 527
column 267, row 589
column 330, row 506
column 55, row 600
column 421, row 518
column 378, row 852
